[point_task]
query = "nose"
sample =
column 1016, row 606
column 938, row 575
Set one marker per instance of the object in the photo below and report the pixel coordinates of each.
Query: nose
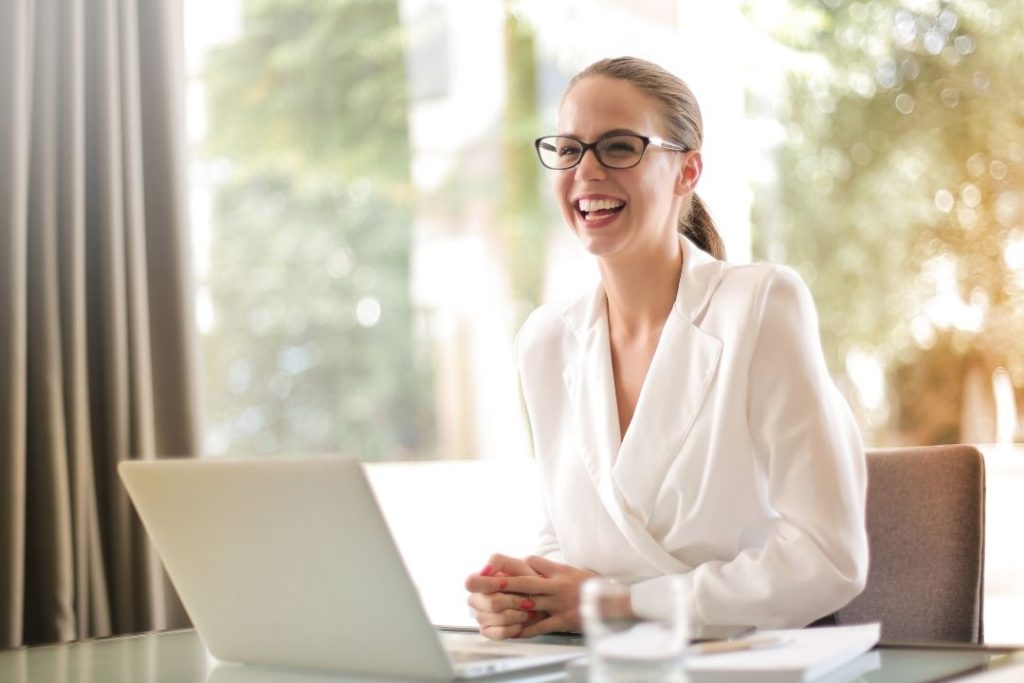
column 589, row 167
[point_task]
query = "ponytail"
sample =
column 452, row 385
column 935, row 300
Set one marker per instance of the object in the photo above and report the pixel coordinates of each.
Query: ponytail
column 699, row 227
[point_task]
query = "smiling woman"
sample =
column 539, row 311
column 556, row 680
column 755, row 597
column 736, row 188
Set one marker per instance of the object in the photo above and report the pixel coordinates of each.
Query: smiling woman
column 682, row 415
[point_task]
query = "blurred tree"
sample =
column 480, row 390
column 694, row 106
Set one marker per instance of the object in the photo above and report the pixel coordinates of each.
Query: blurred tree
column 902, row 181
column 312, row 348
column 524, row 224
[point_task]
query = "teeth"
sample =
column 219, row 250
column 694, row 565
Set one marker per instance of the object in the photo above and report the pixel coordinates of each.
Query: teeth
column 588, row 205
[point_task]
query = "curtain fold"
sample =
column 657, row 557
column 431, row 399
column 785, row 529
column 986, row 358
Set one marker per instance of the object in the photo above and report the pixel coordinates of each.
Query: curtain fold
column 97, row 340
column 15, row 76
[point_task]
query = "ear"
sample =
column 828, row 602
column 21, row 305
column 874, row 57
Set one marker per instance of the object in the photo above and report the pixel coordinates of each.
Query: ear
column 689, row 172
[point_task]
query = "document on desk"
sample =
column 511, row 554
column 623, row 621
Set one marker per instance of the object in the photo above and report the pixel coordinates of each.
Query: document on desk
column 802, row 655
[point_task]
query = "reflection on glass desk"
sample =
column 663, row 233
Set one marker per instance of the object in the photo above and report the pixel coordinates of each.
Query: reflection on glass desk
column 179, row 656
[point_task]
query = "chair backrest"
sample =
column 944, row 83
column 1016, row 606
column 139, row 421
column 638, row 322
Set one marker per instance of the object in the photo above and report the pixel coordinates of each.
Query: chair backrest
column 926, row 531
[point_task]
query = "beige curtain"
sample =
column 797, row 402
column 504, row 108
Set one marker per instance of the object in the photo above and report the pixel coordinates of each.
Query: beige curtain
column 97, row 349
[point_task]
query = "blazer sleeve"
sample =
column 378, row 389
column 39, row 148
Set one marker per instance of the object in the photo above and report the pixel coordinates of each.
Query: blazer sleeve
column 534, row 327
column 547, row 542
column 814, row 557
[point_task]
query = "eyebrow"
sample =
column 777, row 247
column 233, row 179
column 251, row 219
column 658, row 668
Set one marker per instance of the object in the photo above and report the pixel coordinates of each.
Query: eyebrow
column 616, row 131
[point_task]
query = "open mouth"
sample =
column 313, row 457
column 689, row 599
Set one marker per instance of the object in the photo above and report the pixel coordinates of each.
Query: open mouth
column 597, row 209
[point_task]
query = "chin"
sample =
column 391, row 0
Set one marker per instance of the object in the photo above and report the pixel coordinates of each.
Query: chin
column 600, row 245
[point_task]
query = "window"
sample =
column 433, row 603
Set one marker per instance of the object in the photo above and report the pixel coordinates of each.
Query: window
column 371, row 225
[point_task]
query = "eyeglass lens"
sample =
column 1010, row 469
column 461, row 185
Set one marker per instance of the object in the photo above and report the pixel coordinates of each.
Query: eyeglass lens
column 617, row 151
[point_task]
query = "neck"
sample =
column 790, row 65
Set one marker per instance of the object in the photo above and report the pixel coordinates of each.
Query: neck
column 642, row 291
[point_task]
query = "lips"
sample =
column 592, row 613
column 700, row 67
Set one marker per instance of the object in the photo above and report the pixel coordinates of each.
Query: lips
column 597, row 209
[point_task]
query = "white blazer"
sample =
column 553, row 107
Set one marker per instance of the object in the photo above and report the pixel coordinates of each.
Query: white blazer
column 742, row 465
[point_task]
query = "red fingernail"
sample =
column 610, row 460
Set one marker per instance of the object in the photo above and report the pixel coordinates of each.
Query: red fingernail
column 503, row 584
column 486, row 571
column 526, row 604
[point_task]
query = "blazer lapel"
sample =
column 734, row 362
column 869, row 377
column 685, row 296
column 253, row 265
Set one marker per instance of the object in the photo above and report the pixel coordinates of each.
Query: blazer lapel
column 591, row 390
column 627, row 475
column 590, row 386
column 673, row 391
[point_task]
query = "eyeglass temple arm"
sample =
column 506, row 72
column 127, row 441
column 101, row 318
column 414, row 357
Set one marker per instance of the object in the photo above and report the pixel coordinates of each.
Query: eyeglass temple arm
column 667, row 145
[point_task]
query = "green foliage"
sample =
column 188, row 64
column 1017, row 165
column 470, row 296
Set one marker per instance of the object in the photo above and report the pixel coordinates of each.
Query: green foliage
column 313, row 88
column 523, row 219
column 311, row 235
column 904, row 152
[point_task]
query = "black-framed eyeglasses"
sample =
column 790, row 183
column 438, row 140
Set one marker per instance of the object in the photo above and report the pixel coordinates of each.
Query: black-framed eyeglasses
column 615, row 150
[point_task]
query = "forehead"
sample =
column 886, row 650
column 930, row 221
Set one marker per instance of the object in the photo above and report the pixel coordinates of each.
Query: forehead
column 599, row 104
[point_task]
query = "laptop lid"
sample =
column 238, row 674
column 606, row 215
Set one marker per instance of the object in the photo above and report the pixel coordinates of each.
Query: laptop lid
column 286, row 562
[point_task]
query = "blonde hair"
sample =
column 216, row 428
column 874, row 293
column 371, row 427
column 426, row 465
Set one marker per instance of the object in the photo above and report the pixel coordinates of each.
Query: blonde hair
column 684, row 127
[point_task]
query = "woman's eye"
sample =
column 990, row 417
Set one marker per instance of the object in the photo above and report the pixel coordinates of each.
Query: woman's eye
column 620, row 147
column 568, row 150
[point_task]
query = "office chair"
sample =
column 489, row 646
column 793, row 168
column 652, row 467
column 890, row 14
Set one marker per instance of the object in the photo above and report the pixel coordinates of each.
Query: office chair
column 926, row 531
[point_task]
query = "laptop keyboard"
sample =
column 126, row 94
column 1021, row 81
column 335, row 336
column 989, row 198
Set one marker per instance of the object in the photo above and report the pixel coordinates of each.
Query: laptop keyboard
column 469, row 656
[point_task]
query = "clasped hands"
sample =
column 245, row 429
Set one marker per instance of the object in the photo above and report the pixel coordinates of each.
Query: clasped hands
column 522, row 598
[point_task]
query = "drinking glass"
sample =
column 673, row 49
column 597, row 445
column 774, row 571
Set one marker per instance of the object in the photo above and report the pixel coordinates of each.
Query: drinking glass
column 624, row 647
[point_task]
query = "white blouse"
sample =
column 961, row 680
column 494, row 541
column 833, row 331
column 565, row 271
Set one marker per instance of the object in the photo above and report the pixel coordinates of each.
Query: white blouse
column 742, row 465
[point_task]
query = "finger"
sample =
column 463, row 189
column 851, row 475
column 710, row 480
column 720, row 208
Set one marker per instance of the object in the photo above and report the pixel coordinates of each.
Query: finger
column 501, row 632
column 548, row 625
column 489, row 602
column 499, row 602
column 510, row 566
column 529, row 585
column 544, row 566
column 495, row 603
column 498, row 565
column 533, row 617
column 539, row 603
column 488, row 584
column 477, row 583
column 503, row 618
column 487, row 570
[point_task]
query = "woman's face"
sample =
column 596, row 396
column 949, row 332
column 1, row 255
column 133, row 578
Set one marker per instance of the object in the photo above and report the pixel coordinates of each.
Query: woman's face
column 619, row 213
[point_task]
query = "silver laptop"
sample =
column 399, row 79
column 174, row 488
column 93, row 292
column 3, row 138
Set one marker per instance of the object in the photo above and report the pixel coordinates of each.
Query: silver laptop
column 289, row 562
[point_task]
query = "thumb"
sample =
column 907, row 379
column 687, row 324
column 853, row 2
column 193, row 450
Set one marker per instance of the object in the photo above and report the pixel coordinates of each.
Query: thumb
column 503, row 565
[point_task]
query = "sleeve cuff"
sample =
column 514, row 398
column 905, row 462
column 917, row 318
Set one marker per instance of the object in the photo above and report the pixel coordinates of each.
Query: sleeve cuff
column 648, row 599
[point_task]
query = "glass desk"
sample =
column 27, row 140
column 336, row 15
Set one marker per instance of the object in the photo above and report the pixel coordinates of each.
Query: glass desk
column 179, row 657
